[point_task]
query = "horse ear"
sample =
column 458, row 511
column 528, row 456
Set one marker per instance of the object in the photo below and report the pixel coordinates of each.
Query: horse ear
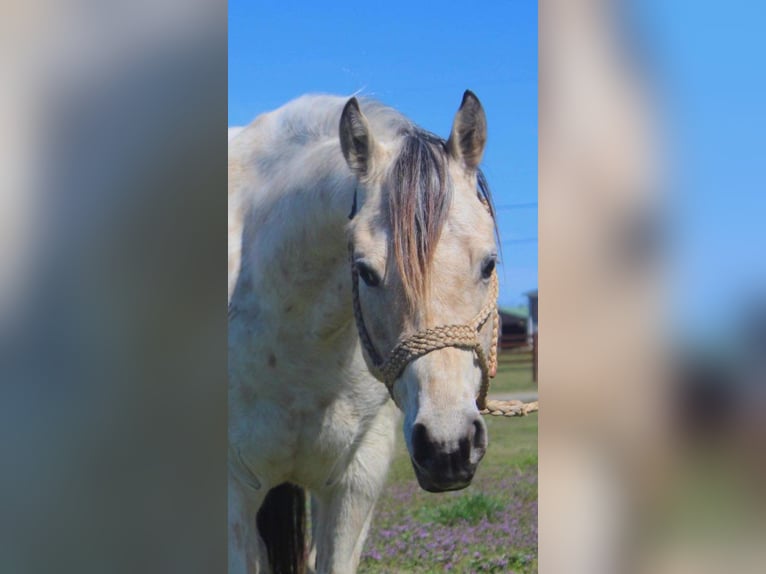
column 355, row 138
column 469, row 131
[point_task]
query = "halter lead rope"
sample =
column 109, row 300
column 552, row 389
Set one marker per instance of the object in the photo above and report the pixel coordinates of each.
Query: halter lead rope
column 423, row 342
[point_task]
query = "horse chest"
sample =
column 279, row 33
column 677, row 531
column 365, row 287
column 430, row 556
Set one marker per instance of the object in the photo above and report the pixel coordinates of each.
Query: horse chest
column 298, row 411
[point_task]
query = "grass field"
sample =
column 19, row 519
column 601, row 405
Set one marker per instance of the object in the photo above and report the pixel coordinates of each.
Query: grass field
column 513, row 376
column 489, row 527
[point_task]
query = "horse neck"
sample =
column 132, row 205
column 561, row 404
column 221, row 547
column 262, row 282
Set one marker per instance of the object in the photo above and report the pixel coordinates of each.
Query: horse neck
column 295, row 266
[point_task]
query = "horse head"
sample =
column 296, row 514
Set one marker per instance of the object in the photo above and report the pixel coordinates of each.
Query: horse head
column 423, row 254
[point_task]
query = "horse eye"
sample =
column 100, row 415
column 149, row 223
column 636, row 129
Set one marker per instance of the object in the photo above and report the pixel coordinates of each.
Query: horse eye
column 368, row 275
column 487, row 267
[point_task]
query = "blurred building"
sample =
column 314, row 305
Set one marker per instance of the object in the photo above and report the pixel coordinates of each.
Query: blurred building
column 514, row 327
column 518, row 324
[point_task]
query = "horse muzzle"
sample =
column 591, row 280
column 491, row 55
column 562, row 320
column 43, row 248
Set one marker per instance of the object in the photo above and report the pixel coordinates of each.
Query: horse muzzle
column 442, row 466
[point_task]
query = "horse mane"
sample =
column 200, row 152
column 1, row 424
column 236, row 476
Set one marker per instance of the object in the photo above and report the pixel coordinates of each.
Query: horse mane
column 419, row 199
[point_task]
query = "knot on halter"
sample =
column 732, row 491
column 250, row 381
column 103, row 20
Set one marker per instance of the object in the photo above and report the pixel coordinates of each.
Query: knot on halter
column 423, row 342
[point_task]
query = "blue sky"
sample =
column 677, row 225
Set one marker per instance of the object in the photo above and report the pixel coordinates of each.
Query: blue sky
column 419, row 58
column 708, row 63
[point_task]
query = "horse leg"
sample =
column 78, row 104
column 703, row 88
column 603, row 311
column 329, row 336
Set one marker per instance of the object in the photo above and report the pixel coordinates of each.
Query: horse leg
column 247, row 551
column 344, row 509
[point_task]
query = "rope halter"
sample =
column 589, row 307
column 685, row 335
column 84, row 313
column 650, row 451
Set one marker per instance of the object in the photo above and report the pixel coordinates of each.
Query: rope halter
column 423, row 342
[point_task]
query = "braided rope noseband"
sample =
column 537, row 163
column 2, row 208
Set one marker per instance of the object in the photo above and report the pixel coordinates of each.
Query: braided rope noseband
column 423, row 342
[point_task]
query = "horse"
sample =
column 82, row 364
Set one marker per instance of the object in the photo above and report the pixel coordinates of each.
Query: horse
column 362, row 249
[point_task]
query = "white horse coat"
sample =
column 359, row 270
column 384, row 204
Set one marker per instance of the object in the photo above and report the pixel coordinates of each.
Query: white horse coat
column 304, row 408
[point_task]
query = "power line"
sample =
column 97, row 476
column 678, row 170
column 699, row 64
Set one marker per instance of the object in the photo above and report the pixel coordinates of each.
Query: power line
column 517, row 205
column 521, row 240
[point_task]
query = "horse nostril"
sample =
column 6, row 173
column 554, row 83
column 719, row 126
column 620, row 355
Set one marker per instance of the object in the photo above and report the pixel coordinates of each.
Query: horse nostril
column 478, row 440
column 478, row 433
column 421, row 448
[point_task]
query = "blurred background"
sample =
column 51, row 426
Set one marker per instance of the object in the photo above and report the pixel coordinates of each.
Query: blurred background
column 652, row 381
column 112, row 290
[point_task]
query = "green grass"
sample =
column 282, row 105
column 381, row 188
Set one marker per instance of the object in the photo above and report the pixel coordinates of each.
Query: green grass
column 470, row 509
column 512, row 376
